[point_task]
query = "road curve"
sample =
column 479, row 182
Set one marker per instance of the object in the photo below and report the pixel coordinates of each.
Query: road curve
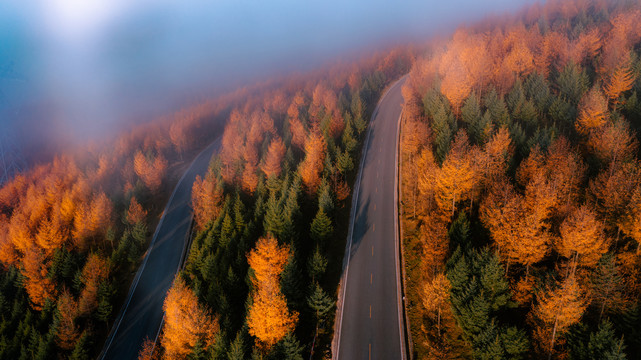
column 370, row 322
column 142, row 312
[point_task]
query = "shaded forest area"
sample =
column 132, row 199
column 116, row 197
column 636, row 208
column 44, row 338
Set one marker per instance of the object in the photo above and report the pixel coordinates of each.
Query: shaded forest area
column 271, row 216
column 521, row 187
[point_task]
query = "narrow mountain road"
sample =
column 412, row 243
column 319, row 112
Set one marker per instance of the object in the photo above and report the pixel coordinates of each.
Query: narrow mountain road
column 370, row 322
column 142, row 313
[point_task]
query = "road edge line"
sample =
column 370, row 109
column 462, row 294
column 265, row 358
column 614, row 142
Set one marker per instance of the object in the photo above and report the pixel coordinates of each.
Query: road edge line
column 348, row 249
column 132, row 289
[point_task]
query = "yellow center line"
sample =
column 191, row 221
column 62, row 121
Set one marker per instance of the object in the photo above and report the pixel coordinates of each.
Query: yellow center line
column 371, row 278
column 369, row 351
column 377, row 190
column 372, row 250
column 374, row 207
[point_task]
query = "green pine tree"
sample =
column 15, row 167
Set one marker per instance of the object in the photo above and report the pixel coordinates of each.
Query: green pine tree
column 290, row 348
column 237, row 348
column 320, row 302
column 321, row 228
column 325, row 200
column 81, row 350
column 274, row 221
column 572, row 83
column 496, row 108
column 316, row 264
column 443, row 133
column 471, row 110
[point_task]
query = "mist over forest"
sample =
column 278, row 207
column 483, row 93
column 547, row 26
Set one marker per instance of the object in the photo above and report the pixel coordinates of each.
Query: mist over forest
column 73, row 70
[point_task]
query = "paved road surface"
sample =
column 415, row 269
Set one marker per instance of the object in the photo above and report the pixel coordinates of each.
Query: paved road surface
column 370, row 325
column 143, row 309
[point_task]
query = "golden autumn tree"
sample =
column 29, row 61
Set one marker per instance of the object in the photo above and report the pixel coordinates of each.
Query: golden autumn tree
column 456, row 85
column 310, row 169
column 593, row 111
column 96, row 270
column 582, row 237
column 206, row 198
column 613, row 142
column 434, row 242
column 425, row 179
column 630, row 222
column 151, row 171
column 457, row 178
column 418, row 161
column 36, row 280
column 178, row 133
column 249, row 179
column 186, row 322
column 269, row 319
column 520, row 234
column 492, row 162
column 272, row 163
column 147, row 350
column 92, row 219
column 612, row 189
column 435, row 296
column 620, row 80
column 135, row 213
column 49, row 237
column 8, row 254
column 519, row 59
column 556, row 310
column 68, row 331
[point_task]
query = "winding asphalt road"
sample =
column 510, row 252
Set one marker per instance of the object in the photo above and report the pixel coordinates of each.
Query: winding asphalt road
column 370, row 322
column 142, row 313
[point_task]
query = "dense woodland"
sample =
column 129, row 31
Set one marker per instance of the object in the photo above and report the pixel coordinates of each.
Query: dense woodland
column 271, row 220
column 73, row 231
column 521, row 187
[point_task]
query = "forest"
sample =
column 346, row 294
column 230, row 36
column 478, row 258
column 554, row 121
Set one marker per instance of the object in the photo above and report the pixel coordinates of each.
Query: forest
column 521, row 186
column 74, row 230
column 271, row 219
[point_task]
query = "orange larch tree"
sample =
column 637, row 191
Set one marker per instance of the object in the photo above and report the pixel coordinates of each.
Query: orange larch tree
column 274, row 158
column 49, row 237
column 36, row 280
column 68, row 331
column 612, row 188
column 519, row 232
column 150, row 171
column 206, row 199
column 269, row 319
column 620, row 80
column 457, row 178
column 582, row 237
column 456, row 85
column 96, row 270
column 249, row 180
column 186, row 322
column 435, row 296
column 310, row 169
column 593, row 110
column 613, row 142
column 135, row 213
column 556, row 310
column 495, row 157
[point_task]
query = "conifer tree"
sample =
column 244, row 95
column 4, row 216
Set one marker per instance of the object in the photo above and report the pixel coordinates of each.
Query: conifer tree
column 237, row 348
column 321, row 228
